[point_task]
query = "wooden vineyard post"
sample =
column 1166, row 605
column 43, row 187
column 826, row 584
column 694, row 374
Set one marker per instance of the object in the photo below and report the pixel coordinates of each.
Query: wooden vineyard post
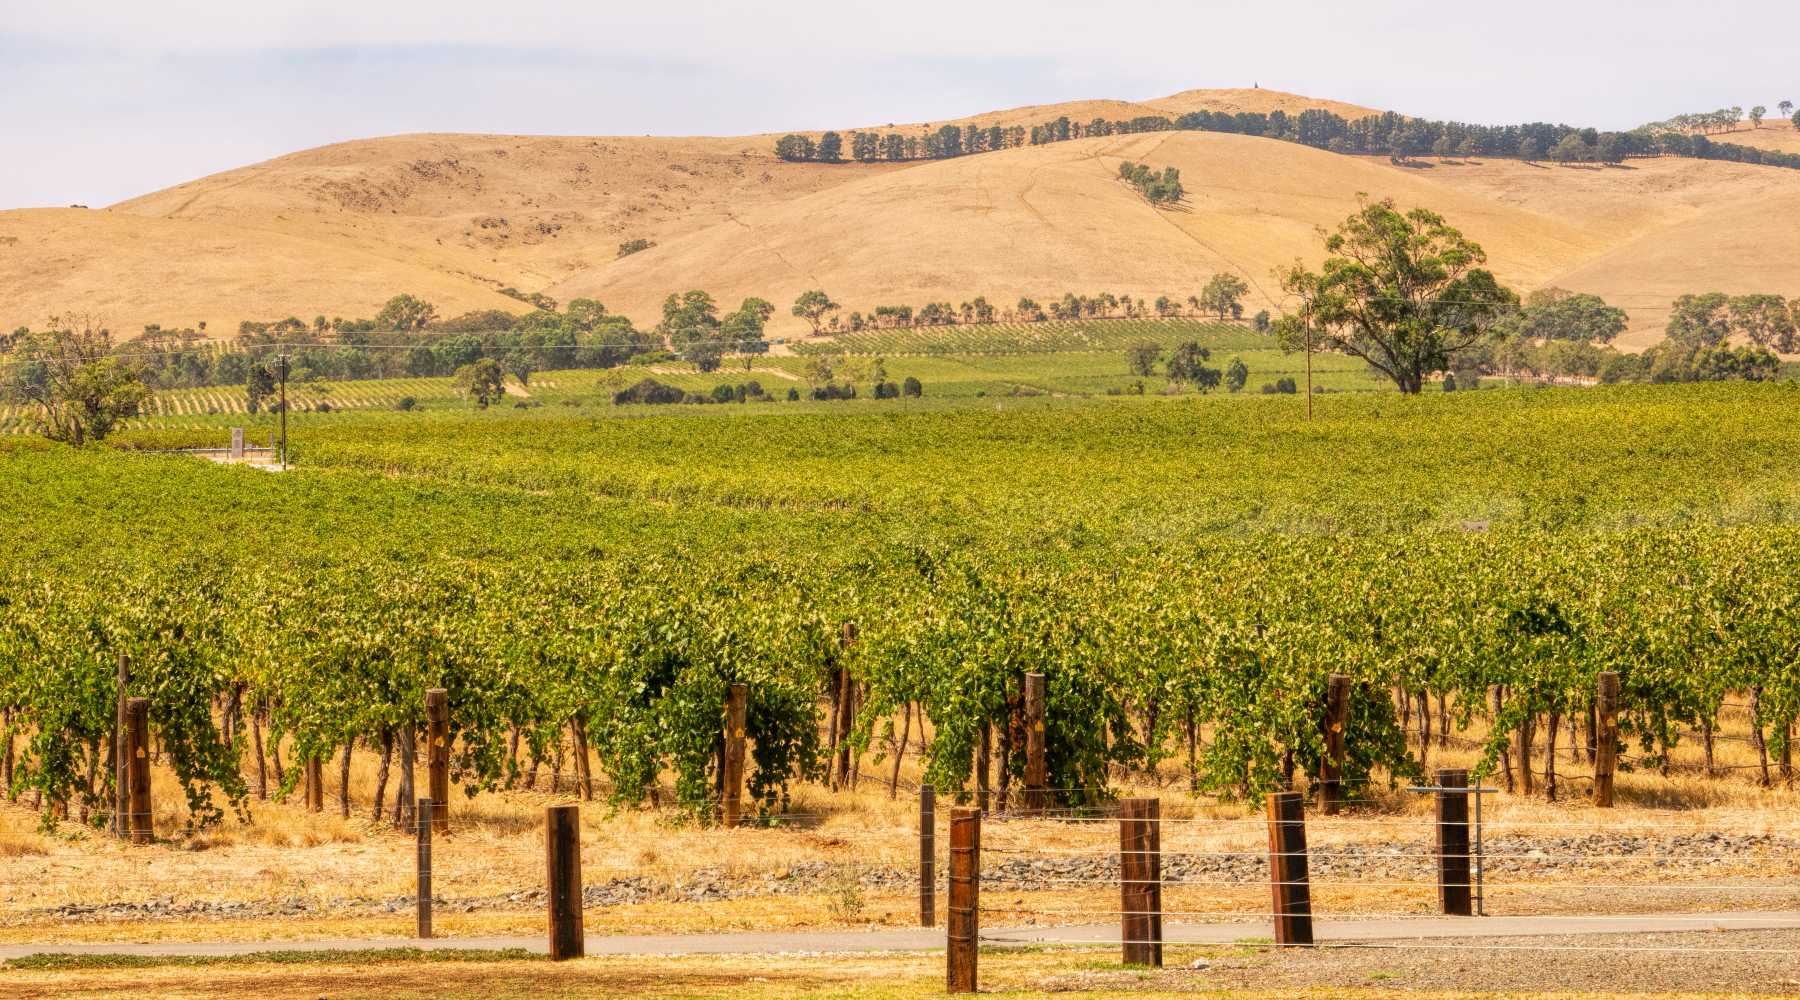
column 736, row 702
column 1287, row 869
column 1606, row 738
column 1331, row 767
column 424, row 866
column 121, row 755
column 562, row 863
column 137, row 750
column 927, row 856
column 1037, row 772
column 963, row 930
column 315, row 785
column 437, row 756
column 1140, row 881
column 1455, row 888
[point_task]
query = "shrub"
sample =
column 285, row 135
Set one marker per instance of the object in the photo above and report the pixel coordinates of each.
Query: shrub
column 630, row 247
column 651, row 358
column 648, row 391
column 723, row 393
column 831, row 390
column 406, row 403
column 912, row 387
column 793, row 395
column 1283, row 386
column 887, row 390
column 323, row 407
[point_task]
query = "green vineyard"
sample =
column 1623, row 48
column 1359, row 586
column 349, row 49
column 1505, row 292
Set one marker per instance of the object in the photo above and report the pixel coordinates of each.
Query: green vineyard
column 1186, row 572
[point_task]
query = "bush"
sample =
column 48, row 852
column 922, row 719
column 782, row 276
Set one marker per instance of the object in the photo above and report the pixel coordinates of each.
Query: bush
column 887, row 390
column 630, row 247
column 723, row 393
column 1283, row 386
column 652, row 358
column 793, row 395
column 912, row 387
column 323, row 407
column 406, row 403
column 831, row 390
column 648, row 391
column 1262, row 321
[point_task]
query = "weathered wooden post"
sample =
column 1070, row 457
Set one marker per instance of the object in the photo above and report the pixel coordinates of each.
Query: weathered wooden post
column 562, row 863
column 138, row 802
column 121, row 755
column 1331, row 767
column 1140, row 881
column 1037, row 771
column 437, row 756
column 424, row 866
column 1606, row 737
column 963, row 932
column 1455, row 886
column 927, row 856
column 1287, row 869
column 736, row 703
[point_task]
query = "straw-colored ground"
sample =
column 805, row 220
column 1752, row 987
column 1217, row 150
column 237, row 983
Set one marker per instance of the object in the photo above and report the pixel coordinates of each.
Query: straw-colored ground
column 848, row 859
column 454, row 218
column 1241, row 972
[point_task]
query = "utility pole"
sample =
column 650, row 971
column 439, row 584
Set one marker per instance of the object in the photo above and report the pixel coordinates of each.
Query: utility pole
column 281, row 373
column 1306, row 321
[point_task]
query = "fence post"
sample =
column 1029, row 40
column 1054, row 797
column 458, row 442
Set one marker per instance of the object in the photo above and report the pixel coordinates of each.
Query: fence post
column 1331, row 767
column 562, row 862
column 121, row 754
column 1140, row 881
column 736, row 703
column 927, row 856
column 423, row 824
column 1606, row 738
column 963, row 930
column 1037, row 772
column 437, row 755
column 137, row 725
column 1287, row 869
column 1454, row 870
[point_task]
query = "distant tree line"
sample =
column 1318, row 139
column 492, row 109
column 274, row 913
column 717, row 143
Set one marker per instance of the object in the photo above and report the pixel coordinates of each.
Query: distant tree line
column 406, row 339
column 1221, row 297
column 1724, row 119
column 1387, row 134
column 1560, row 334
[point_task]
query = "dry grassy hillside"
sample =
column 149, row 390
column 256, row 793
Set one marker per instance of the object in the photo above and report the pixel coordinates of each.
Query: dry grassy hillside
column 1251, row 100
column 454, row 218
column 132, row 270
column 1043, row 220
column 1777, row 134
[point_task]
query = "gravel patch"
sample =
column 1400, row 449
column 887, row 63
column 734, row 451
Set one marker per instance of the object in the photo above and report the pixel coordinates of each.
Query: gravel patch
column 1763, row 963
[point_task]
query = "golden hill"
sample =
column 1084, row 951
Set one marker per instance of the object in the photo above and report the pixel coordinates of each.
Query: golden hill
column 1044, row 220
column 454, row 218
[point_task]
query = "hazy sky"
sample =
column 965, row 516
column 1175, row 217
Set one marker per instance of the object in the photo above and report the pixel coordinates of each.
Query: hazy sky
column 102, row 100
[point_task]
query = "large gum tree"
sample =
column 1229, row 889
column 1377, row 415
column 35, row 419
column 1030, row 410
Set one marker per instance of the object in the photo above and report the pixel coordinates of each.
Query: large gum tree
column 1403, row 291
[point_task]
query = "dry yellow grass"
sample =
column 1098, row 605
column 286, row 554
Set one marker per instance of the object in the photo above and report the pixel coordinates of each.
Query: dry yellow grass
column 453, row 218
column 347, row 868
